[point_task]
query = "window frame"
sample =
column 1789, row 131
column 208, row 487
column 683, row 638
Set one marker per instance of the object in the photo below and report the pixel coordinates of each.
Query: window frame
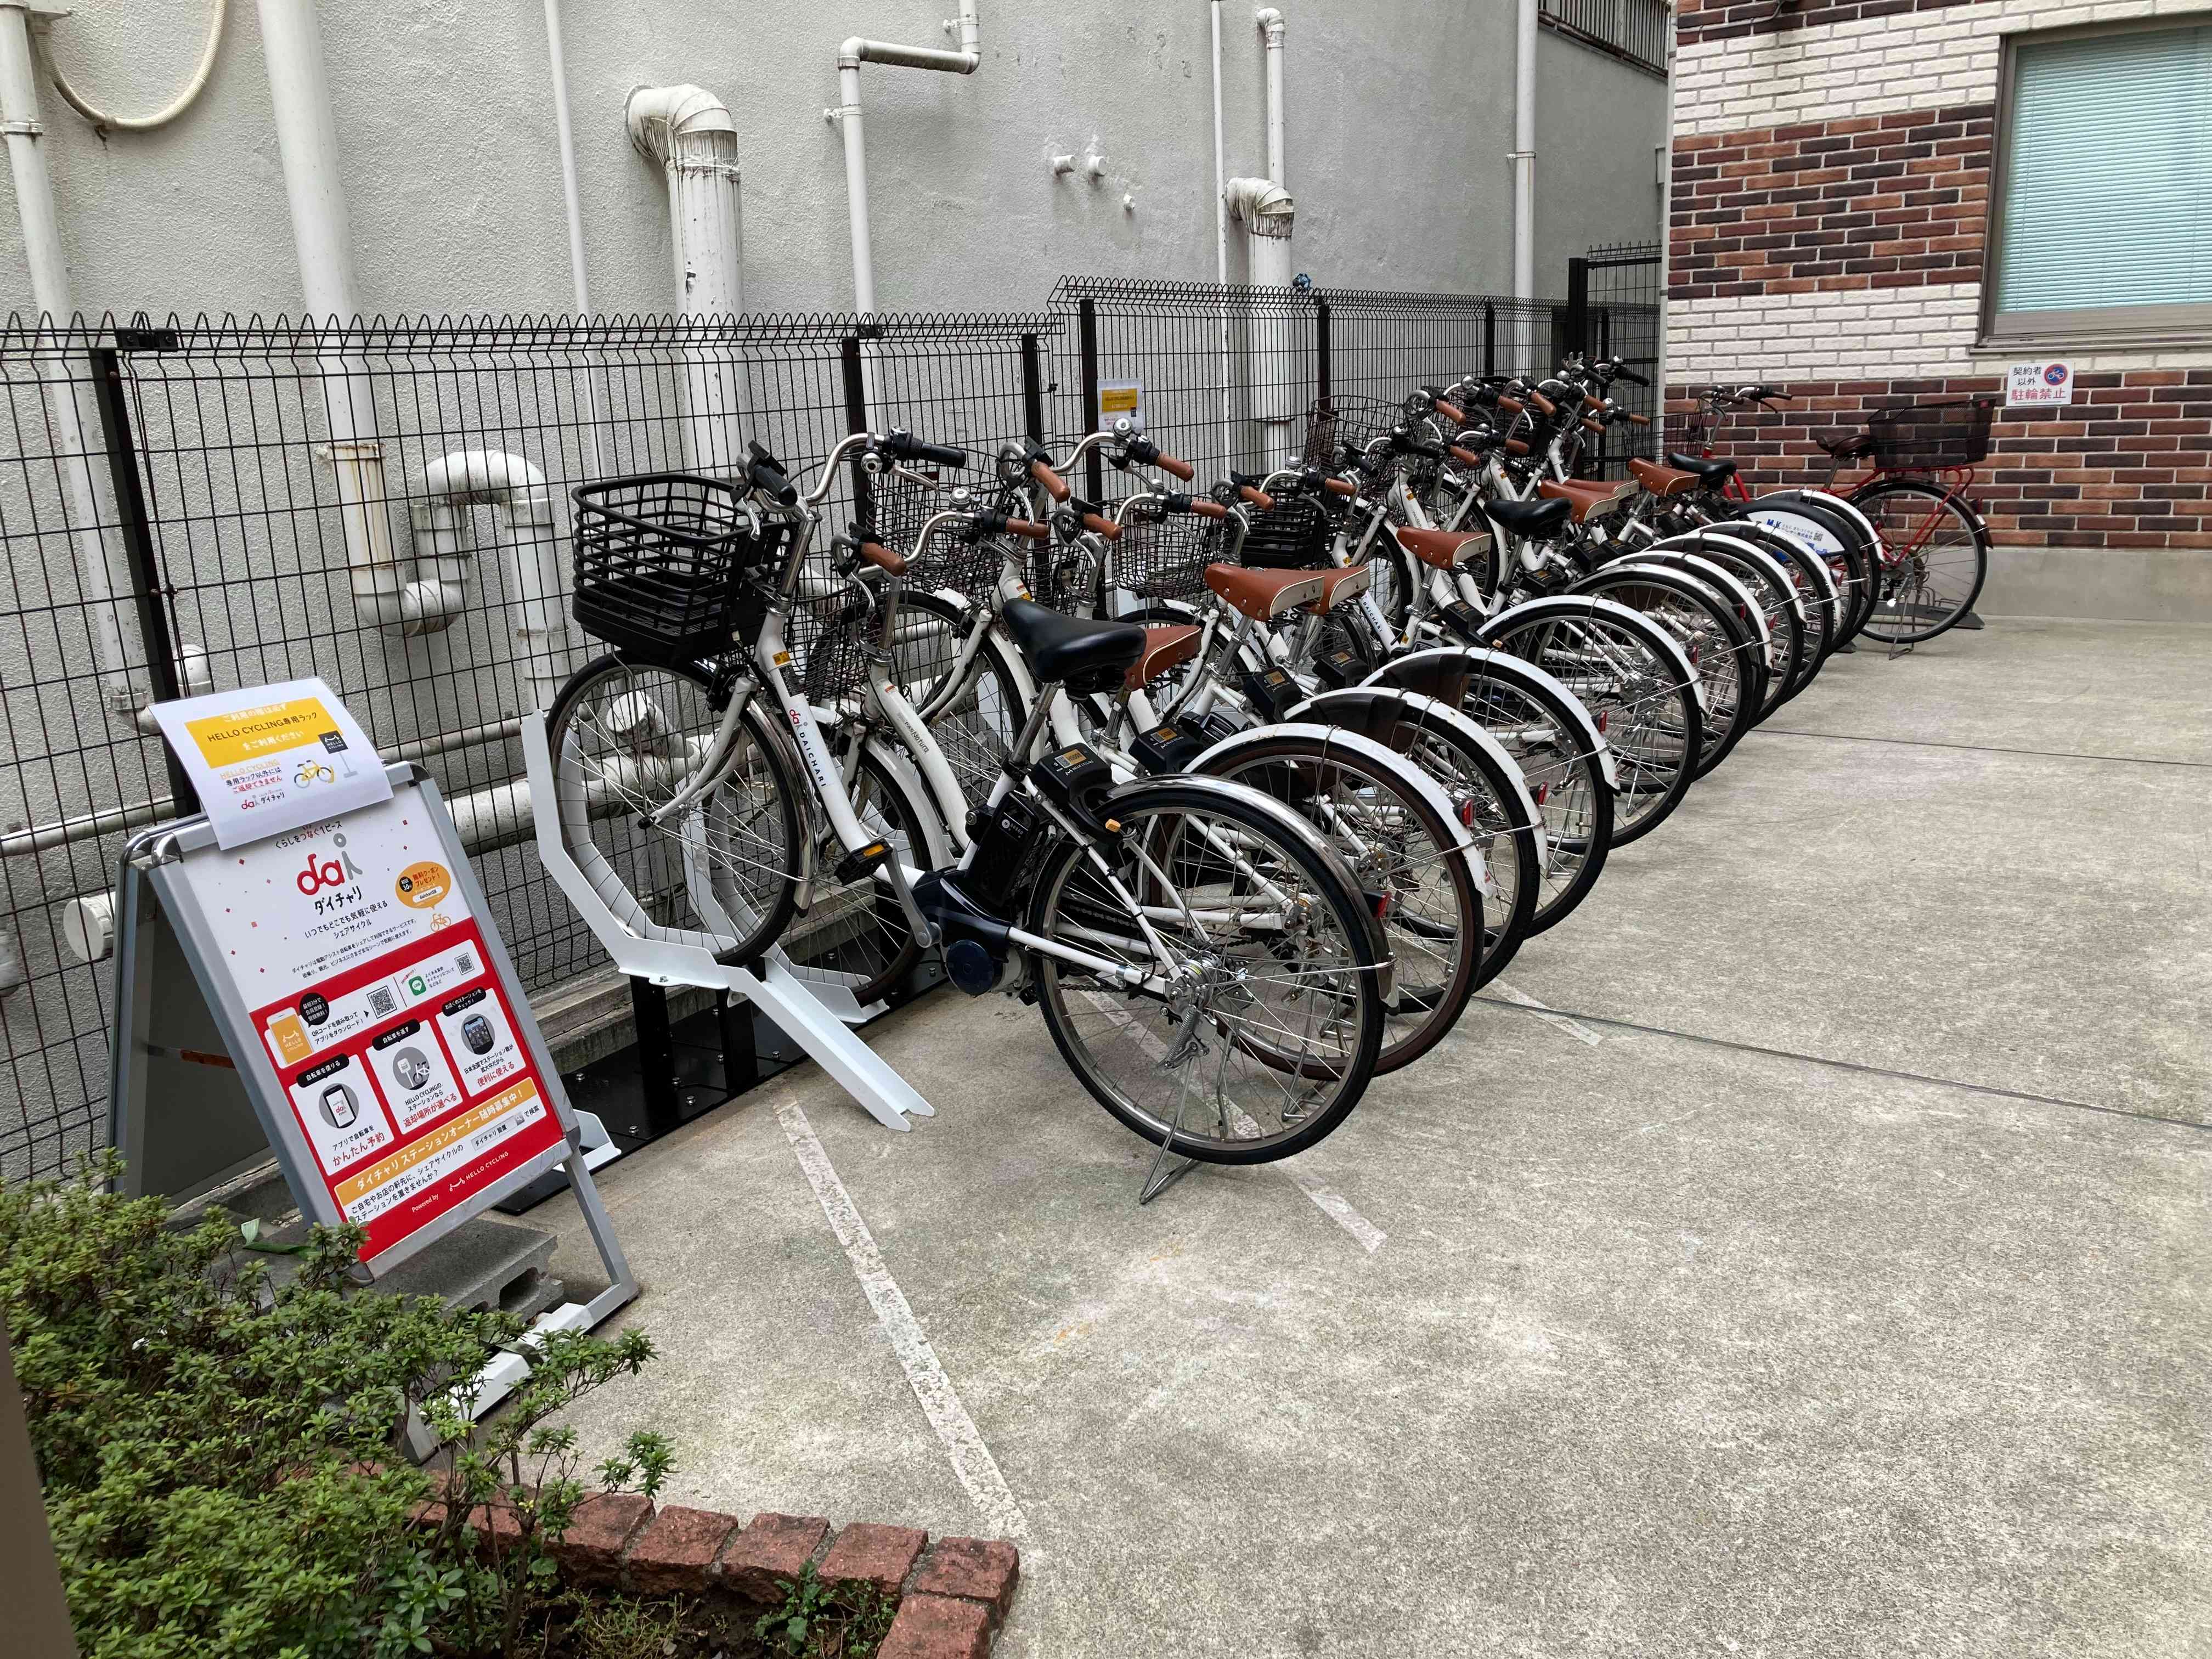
column 2182, row 325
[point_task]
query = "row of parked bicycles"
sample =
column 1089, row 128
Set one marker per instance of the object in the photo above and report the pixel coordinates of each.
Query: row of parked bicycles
column 1248, row 787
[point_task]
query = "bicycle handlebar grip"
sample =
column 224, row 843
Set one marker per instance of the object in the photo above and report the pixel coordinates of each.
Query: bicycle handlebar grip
column 1592, row 404
column 1259, row 498
column 1206, row 507
column 1174, row 465
column 1054, row 485
column 1511, row 405
column 1542, row 402
column 1516, row 447
column 1339, row 486
column 1637, row 420
column 908, row 448
column 767, row 478
column 1630, row 375
column 1450, row 411
column 1099, row 525
column 1594, row 426
column 1029, row 528
column 1464, row 456
column 890, row 564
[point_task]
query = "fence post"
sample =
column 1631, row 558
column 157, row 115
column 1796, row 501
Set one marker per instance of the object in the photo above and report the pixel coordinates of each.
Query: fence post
column 856, row 420
column 1489, row 339
column 1086, row 319
column 1322, row 365
column 1578, row 306
column 146, row 586
column 1033, row 390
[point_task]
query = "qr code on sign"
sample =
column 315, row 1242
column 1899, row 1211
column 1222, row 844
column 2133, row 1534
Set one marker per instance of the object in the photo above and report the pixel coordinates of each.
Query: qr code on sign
column 382, row 1001
column 467, row 963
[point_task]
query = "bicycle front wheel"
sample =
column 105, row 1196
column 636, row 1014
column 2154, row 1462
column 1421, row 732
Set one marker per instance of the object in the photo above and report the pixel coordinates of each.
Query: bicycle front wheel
column 627, row 739
column 1938, row 556
column 1262, row 1028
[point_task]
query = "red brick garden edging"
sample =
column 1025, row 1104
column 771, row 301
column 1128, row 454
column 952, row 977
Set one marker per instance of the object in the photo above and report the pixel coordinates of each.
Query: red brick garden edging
column 952, row 1594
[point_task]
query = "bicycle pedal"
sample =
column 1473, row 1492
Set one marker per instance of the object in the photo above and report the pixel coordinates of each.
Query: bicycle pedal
column 864, row 862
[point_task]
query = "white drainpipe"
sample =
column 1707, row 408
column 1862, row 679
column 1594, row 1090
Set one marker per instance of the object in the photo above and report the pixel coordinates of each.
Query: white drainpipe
column 850, row 56
column 1268, row 212
column 689, row 132
column 1524, row 165
column 526, row 530
column 49, row 289
column 397, row 598
column 1272, row 29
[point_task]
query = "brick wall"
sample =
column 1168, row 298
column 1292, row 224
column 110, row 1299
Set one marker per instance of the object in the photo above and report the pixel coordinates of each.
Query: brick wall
column 1832, row 175
column 2125, row 465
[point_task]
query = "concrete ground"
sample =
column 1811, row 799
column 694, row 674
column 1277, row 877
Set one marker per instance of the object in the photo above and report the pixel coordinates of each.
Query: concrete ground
column 1832, row 1281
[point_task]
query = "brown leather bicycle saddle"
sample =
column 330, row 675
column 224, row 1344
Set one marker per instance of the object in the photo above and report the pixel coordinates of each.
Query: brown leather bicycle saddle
column 1846, row 445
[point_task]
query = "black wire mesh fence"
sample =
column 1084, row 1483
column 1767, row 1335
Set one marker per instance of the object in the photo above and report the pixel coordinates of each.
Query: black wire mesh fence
column 1226, row 376
column 203, row 506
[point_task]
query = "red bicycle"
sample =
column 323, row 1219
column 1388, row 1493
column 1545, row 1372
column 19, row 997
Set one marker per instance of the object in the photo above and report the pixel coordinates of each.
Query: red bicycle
column 1915, row 465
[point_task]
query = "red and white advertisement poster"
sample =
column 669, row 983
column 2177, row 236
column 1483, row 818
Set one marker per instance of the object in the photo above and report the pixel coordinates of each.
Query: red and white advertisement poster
column 393, row 1037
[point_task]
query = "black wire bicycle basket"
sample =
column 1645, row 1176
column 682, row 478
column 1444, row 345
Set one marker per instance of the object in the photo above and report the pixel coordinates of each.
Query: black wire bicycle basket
column 658, row 559
column 1922, row 436
column 833, row 638
column 1163, row 554
column 1294, row 534
column 1342, row 419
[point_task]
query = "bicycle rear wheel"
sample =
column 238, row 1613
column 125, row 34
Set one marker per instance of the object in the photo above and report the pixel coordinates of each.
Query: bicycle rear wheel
column 1939, row 557
column 1268, row 1036
column 1394, row 830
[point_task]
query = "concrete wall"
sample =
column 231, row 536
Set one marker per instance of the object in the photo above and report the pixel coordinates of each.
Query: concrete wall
column 1400, row 120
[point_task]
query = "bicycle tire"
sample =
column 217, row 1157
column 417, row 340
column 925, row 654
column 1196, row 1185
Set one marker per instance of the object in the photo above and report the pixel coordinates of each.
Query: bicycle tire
column 1734, row 686
column 1353, row 982
column 1562, row 756
column 1644, row 679
column 1779, row 600
column 1905, row 551
column 1397, row 834
column 607, row 767
column 1485, row 789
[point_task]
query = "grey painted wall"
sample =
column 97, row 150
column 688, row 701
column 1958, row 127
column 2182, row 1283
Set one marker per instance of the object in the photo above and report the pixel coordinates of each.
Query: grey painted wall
column 1400, row 120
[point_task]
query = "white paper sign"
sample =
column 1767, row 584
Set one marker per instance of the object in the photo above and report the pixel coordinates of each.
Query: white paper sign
column 269, row 758
column 2030, row 384
column 1118, row 399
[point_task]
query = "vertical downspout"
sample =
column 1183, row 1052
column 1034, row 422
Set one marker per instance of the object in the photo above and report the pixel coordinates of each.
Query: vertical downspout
column 1270, row 21
column 322, row 233
column 557, row 55
column 49, row 289
column 1524, row 178
column 1229, row 456
column 689, row 132
column 1666, row 253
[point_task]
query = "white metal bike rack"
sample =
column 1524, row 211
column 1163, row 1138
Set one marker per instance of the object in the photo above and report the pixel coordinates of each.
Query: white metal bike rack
column 665, row 956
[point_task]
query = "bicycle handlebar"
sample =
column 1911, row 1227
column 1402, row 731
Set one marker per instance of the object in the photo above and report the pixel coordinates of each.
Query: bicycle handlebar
column 907, row 447
column 767, row 476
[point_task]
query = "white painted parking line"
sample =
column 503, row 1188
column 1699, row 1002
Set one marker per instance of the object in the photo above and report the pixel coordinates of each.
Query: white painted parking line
column 971, row 1459
column 1330, row 1204
column 1574, row 1028
column 1370, row 1235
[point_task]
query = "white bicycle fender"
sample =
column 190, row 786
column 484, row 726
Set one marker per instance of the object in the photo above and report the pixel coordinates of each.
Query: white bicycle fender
column 1509, row 667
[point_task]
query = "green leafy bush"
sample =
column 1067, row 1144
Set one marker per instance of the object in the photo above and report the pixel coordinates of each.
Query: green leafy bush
column 214, row 1443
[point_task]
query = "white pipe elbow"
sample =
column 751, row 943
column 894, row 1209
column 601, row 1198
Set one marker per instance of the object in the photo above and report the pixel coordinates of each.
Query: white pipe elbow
column 660, row 118
column 1266, row 207
column 1270, row 20
column 526, row 532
